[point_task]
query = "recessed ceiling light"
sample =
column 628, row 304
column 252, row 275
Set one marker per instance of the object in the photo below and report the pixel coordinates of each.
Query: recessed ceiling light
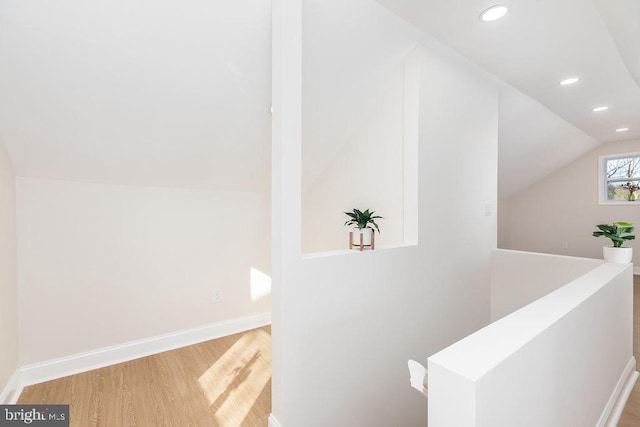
column 622, row 129
column 601, row 108
column 494, row 12
column 569, row 81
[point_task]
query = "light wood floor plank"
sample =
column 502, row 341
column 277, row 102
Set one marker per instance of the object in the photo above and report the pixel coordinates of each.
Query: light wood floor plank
column 219, row 383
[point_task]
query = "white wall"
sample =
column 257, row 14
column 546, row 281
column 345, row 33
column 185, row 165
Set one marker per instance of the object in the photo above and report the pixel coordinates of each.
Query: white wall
column 564, row 207
column 367, row 173
column 345, row 325
column 561, row 361
column 8, row 264
column 504, row 224
column 538, row 275
column 100, row 265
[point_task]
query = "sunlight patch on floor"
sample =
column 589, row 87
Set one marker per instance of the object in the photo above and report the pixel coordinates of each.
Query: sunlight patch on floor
column 234, row 382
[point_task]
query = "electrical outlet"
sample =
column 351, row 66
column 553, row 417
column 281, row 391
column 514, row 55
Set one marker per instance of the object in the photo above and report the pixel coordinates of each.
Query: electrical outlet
column 565, row 244
column 216, row 297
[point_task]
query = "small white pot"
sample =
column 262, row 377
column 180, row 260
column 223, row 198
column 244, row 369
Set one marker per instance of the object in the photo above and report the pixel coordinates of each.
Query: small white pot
column 366, row 236
column 618, row 255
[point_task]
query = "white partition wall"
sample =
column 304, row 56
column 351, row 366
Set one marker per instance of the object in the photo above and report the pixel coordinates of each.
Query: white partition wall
column 344, row 324
column 565, row 360
column 519, row 278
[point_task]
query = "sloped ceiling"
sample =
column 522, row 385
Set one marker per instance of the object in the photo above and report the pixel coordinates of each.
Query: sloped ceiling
column 350, row 50
column 537, row 44
column 622, row 19
column 533, row 142
column 178, row 93
column 138, row 92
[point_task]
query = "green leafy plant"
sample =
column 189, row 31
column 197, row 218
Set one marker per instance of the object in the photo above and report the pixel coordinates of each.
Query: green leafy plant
column 618, row 232
column 363, row 219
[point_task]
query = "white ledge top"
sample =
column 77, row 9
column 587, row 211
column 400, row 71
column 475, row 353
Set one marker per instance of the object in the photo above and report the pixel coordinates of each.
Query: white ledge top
column 474, row 356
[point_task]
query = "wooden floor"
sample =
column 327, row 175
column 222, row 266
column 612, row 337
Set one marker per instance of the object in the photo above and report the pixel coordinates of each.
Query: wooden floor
column 224, row 382
column 631, row 415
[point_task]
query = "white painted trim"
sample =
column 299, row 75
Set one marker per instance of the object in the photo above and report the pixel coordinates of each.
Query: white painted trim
column 613, row 410
column 82, row 362
column 273, row 422
column 636, row 270
column 622, row 401
column 12, row 390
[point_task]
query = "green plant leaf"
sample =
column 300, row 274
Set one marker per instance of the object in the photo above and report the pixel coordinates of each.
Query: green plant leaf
column 622, row 224
column 618, row 232
column 362, row 219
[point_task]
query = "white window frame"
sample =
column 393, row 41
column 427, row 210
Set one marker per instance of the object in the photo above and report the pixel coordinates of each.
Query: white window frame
column 602, row 179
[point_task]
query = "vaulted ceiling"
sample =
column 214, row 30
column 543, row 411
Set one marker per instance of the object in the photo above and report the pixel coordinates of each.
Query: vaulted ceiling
column 142, row 92
column 535, row 46
column 177, row 93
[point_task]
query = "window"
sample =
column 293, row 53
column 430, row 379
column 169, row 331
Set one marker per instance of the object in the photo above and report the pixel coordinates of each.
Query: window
column 620, row 179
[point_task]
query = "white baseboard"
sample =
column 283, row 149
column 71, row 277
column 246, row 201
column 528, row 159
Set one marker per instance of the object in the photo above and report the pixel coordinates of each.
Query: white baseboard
column 273, row 422
column 612, row 412
column 624, row 396
column 82, row 362
column 636, row 270
column 12, row 390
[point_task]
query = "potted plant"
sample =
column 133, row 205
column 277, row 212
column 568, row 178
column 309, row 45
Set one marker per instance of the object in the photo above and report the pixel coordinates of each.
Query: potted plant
column 363, row 233
column 618, row 232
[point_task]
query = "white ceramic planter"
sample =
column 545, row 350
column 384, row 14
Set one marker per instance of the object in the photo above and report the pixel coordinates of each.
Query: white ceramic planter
column 617, row 255
column 366, row 236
